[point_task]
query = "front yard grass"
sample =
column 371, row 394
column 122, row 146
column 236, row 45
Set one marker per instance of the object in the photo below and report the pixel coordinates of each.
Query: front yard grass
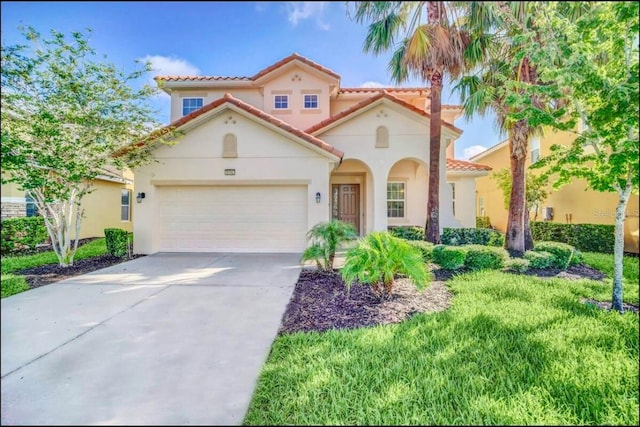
column 511, row 350
column 604, row 263
column 12, row 283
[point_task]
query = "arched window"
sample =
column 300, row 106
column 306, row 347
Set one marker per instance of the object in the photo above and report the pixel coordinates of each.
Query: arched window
column 382, row 137
column 230, row 146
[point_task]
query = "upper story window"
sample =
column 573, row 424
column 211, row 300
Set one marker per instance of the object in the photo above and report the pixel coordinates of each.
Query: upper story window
column 189, row 105
column 311, row 101
column 535, row 150
column 281, row 102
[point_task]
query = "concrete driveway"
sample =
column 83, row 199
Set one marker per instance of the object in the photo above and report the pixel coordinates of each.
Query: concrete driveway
column 166, row 339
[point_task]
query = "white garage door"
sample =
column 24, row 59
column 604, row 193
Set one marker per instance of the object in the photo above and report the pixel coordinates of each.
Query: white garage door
column 233, row 218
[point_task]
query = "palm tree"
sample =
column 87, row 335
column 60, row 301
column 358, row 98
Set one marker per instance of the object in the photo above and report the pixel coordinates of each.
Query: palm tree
column 500, row 81
column 429, row 50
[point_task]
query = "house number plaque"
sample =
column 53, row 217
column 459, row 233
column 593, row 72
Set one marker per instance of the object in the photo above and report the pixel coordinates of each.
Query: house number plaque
column 229, row 171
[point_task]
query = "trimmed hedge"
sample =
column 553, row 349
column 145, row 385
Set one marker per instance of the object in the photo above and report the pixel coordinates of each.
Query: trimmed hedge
column 539, row 259
column 517, row 265
column 425, row 248
column 472, row 236
column 485, row 257
column 118, row 241
column 584, row 237
column 411, row 232
column 564, row 255
column 20, row 233
column 449, row 257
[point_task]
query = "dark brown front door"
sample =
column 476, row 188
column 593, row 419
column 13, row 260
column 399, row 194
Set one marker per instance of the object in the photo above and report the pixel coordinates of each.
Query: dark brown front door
column 346, row 203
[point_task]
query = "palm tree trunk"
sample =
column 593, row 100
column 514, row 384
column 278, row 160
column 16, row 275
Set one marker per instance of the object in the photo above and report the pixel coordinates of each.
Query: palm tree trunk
column 528, row 237
column 432, row 227
column 515, row 237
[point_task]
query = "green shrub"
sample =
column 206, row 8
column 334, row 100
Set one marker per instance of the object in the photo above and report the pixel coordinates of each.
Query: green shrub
column 483, row 222
column 412, row 232
column 565, row 255
column 593, row 237
column 20, row 233
column 540, row 259
column 517, row 265
column 584, row 237
column 378, row 258
column 485, row 257
column 118, row 242
column 325, row 238
column 449, row 257
column 425, row 248
column 472, row 236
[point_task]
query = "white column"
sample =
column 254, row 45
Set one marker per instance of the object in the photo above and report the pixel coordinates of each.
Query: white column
column 380, row 198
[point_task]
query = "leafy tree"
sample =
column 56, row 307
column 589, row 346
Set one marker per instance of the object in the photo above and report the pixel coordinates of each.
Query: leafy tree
column 595, row 64
column 64, row 115
column 325, row 239
column 536, row 189
column 506, row 80
column 428, row 48
column 378, row 258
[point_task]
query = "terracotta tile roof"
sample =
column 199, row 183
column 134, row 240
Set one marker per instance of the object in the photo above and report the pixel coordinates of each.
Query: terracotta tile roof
column 293, row 57
column 199, row 78
column 464, row 166
column 386, row 89
column 254, row 111
column 362, row 104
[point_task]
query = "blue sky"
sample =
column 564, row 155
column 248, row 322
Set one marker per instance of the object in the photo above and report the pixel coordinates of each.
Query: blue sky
column 227, row 39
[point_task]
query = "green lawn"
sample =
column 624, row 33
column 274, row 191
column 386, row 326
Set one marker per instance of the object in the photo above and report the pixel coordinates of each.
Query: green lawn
column 604, row 263
column 13, row 284
column 511, row 350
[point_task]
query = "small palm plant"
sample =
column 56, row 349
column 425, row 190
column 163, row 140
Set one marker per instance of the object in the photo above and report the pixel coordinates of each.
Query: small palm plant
column 378, row 258
column 325, row 238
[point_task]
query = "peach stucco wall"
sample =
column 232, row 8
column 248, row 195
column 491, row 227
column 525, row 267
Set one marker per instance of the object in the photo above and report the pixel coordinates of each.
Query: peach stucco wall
column 584, row 206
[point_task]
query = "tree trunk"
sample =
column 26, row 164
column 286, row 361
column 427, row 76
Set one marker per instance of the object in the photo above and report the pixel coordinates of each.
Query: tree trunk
column 514, row 239
column 618, row 249
column 528, row 237
column 432, row 227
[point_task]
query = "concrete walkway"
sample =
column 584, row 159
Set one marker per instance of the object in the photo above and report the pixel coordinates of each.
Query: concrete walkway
column 167, row 339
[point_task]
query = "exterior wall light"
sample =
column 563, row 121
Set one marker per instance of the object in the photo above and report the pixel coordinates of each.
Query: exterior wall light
column 139, row 197
column 318, row 197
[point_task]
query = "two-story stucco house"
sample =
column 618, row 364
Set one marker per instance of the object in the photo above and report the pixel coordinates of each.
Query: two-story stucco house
column 264, row 158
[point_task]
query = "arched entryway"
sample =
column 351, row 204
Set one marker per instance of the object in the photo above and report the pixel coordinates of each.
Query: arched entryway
column 407, row 187
column 351, row 189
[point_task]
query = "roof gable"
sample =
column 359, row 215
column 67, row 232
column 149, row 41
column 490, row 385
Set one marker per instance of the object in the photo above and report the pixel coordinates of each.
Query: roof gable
column 290, row 61
column 365, row 105
column 250, row 111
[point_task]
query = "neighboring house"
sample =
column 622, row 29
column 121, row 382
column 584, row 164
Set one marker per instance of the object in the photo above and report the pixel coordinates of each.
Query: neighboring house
column 108, row 206
column 572, row 203
column 263, row 159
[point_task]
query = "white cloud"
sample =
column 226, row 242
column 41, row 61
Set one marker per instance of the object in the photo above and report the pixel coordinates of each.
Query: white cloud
column 372, row 84
column 169, row 66
column 301, row 10
column 472, row 151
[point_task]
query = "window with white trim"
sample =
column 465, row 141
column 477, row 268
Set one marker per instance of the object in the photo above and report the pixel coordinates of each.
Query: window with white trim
column 481, row 206
column 396, row 199
column 281, row 102
column 453, row 197
column 189, row 105
column 125, row 205
column 310, row 101
column 535, row 149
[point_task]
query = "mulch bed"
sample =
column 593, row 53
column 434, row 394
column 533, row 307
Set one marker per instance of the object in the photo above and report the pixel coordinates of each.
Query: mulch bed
column 320, row 301
column 50, row 273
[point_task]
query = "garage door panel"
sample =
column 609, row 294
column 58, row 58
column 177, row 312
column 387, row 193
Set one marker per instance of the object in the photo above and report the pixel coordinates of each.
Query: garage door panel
column 233, row 218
